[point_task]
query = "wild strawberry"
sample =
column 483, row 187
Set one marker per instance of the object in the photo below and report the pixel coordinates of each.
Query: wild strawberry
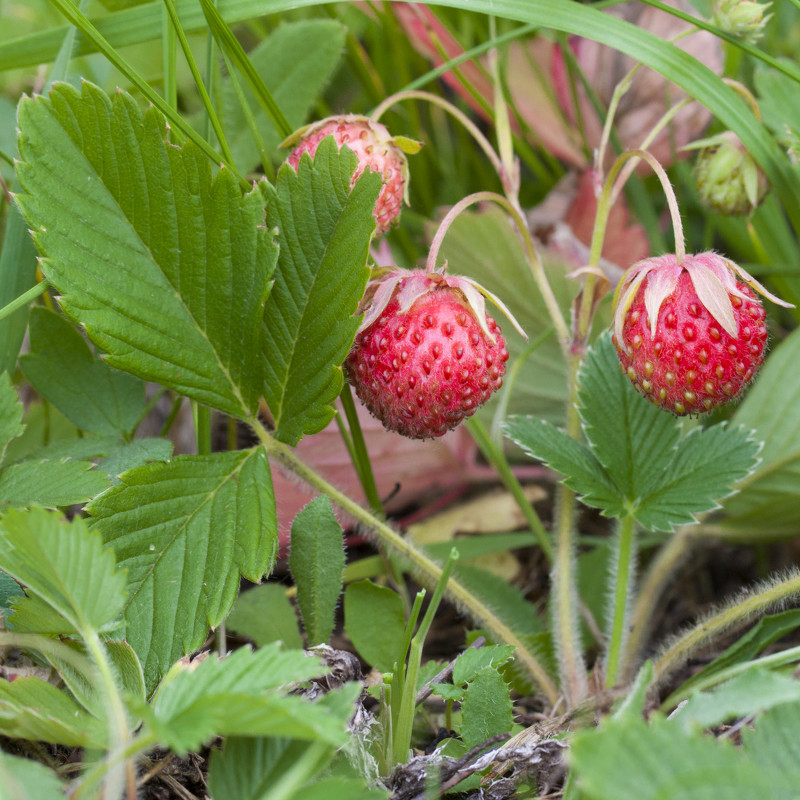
column 376, row 150
column 690, row 336
column 426, row 355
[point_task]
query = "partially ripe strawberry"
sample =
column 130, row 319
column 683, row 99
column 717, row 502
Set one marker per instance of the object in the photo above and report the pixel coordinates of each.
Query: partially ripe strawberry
column 427, row 355
column 375, row 149
column 690, row 336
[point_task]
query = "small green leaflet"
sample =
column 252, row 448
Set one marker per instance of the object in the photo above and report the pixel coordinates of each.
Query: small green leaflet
column 62, row 368
column 246, row 694
column 31, row 708
column 316, row 560
column 324, row 231
column 63, row 564
column 185, row 531
column 265, row 615
column 636, row 462
column 486, row 709
column 165, row 265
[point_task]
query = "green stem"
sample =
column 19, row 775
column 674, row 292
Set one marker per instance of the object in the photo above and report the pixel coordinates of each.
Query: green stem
column 199, row 83
column 121, row 732
column 24, row 298
column 177, row 402
column 735, row 615
column 496, row 457
column 624, row 570
column 651, row 589
column 361, row 462
column 426, row 569
column 169, row 51
column 202, row 427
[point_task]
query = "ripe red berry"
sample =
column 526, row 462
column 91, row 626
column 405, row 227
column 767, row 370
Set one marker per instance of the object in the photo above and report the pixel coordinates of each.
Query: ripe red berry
column 375, row 149
column 690, row 336
column 427, row 355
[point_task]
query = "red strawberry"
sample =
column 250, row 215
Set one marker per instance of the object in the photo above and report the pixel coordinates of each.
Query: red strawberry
column 426, row 355
column 376, row 150
column 690, row 336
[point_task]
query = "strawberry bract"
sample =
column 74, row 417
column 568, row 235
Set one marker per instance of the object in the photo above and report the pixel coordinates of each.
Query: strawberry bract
column 375, row 149
column 690, row 336
column 427, row 354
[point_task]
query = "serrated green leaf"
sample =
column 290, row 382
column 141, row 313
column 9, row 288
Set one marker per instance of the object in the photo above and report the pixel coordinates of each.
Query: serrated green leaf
column 296, row 62
column 62, row 368
column 9, row 591
column 316, row 560
column 324, row 231
column 705, row 468
column 631, row 437
column 11, row 411
column 582, row 470
column 31, row 708
column 116, row 455
column 265, row 615
column 50, row 483
column 165, row 266
column 185, row 530
column 486, row 710
column 25, row 779
column 471, row 661
column 64, row 564
column 751, row 692
column 374, row 621
column 43, row 426
column 767, row 500
column 627, row 759
column 243, row 695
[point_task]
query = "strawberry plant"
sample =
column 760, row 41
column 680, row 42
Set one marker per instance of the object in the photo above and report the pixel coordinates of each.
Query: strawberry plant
column 215, row 577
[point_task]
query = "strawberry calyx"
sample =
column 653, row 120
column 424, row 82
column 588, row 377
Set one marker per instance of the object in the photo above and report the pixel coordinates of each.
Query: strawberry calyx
column 411, row 285
column 713, row 277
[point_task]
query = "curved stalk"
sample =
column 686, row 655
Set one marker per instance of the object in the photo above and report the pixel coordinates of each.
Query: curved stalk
column 426, row 569
column 530, row 251
column 731, row 617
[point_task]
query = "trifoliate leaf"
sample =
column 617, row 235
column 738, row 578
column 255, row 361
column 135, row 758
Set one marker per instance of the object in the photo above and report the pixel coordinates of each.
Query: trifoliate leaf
column 324, row 231
column 165, row 265
column 185, row 531
column 62, row 368
column 316, row 560
column 63, row 564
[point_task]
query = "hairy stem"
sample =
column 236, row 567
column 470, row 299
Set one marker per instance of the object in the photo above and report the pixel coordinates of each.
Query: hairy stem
column 624, row 571
column 426, row 569
column 730, row 617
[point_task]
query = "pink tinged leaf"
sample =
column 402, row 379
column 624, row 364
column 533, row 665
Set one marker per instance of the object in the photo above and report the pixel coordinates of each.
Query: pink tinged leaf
column 660, row 285
column 756, row 286
column 381, row 298
column 412, row 290
column 502, row 306
column 627, row 291
column 475, row 301
column 713, row 295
